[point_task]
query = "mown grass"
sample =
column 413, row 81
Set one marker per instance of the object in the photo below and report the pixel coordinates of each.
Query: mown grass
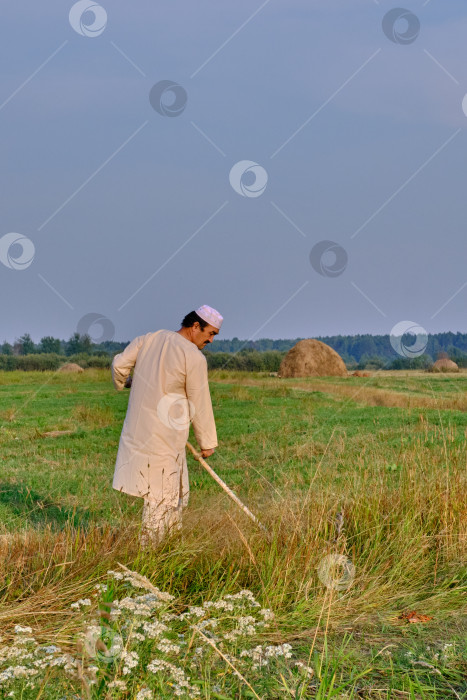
column 327, row 472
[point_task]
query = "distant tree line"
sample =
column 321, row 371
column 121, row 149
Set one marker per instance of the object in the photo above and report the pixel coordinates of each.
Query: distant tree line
column 51, row 361
column 354, row 347
column 358, row 352
column 77, row 344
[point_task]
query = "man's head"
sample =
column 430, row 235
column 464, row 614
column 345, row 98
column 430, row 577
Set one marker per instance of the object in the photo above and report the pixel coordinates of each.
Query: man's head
column 199, row 330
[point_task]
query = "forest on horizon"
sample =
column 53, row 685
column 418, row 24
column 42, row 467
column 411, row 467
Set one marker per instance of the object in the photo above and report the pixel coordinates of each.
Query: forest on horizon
column 363, row 351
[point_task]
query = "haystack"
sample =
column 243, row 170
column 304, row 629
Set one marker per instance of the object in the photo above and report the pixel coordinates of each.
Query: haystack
column 71, row 367
column 359, row 373
column 312, row 358
column 444, row 364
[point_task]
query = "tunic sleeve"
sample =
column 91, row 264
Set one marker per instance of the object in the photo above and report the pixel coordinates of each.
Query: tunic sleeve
column 124, row 362
column 197, row 391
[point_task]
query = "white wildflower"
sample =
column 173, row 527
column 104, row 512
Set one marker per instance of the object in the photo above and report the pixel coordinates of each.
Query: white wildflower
column 130, row 659
column 24, row 671
column 14, row 652
column 82, row 602
column 267, row 614
column 246, row 622
column 151, row 599
column 6, row 675
column 243, row 596
column 135, row 606
column 218, row 605
column 144, row 694
column 210, row 622
column 115, row 574
column 232, row 636
column 261, row 655
column 168, row 617
column 167, row 597
column 22, row 630
column 279, row 650
column 137, row 636
column 167, row 647
column 308, row 670
column 51, row 649
column 154, row 629
column 59, row 660
column 182, row 684
column 25, row 640
column 195, row 610
column 121, row 685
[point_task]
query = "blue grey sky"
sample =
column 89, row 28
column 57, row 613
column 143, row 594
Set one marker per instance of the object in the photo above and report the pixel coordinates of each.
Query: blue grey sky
column 131, row 213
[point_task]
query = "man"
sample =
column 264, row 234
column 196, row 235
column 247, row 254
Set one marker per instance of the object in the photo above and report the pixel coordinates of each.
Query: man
column 169, row 390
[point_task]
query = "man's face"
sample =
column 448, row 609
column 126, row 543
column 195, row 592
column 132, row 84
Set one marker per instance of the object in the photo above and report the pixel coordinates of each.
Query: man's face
column 201, row 337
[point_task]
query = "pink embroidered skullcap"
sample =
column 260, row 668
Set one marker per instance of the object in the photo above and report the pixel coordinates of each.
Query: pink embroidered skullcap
column 210, row 315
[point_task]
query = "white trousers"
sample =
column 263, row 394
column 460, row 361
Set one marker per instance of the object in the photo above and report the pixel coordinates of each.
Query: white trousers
column 162, row 511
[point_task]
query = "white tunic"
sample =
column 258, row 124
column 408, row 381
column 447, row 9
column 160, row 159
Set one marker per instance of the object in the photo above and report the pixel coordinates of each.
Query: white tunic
column 169, row 389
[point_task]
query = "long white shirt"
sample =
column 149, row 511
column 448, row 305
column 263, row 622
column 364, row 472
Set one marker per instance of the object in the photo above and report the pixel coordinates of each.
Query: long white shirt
column 169, row 389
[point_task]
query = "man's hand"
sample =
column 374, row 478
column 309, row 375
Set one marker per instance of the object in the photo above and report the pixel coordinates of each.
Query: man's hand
column 207, row 453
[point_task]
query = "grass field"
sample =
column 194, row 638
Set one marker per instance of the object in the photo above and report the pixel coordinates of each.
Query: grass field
column 362, row 484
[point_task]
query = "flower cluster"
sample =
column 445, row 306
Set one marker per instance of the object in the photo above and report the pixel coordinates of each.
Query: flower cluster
column 130, row 659
column 134, row 581
column 236, row 626
column 143, row 645
column 262, row 655
column 82, row 602
column 181, row 684
column 26, row 659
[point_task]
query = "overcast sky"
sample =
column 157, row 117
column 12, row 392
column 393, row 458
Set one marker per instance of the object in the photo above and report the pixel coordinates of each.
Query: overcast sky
column 352, row 127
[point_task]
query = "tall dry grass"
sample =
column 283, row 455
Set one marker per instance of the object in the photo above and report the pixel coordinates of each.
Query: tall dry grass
column 406, row 539
column 364, row 393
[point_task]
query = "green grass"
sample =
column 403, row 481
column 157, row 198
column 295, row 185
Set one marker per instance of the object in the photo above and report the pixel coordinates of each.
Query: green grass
column 298, row 452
